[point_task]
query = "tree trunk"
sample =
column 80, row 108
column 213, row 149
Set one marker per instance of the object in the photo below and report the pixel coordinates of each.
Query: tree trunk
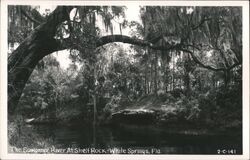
column 165, row 74
column 155, row 74
column 94, row 109
column 227, row 77
column 23, row 60
column 187, row 83
column 173, row 72
column 146, row 80
column 41, row 42
column 25, row 57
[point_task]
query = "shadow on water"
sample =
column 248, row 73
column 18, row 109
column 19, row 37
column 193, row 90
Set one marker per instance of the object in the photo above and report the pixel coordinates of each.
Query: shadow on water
column 113, row 137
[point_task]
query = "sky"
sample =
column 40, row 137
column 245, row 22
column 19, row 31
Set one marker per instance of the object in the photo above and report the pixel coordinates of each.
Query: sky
column 132, row 14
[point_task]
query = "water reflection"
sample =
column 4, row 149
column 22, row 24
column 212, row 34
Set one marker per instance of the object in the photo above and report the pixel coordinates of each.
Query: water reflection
column 107, row 137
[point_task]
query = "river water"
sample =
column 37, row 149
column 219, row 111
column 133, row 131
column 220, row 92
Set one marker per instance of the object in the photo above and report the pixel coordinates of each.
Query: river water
column 137, row 140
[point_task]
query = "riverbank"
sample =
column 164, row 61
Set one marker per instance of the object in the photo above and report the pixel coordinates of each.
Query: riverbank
column 180, row 114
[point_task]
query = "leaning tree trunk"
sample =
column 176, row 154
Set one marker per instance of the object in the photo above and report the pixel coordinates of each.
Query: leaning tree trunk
column 41, row 42
column 23, row 60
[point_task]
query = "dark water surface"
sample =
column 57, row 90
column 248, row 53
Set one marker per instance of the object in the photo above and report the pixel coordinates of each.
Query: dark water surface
column 139, row 140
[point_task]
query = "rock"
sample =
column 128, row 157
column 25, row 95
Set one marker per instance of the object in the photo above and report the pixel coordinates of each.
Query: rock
column 134, row 116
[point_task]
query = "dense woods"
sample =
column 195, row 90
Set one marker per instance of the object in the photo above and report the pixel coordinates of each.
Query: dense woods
column 181, row 66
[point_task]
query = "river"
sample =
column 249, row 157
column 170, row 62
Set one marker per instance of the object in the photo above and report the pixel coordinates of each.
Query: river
column 136, row 140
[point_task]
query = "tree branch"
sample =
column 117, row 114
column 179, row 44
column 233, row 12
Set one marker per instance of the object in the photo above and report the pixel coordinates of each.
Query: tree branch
column 30, row 17
column 125, row 39
column 200, row 63
column 207, row 66
column 201, row 23
column 46, row 31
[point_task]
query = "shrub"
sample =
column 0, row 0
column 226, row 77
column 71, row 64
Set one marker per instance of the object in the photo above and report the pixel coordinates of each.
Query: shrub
column 221, row 106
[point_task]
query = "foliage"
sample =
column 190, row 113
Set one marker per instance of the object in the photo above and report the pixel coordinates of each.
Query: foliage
column 198, row 82
column 217, row 105
column 20, row 136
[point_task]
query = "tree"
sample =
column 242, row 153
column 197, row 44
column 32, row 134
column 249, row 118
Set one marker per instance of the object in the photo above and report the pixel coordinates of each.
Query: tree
column 216, row 33
column 40, row 43
column 49, row 36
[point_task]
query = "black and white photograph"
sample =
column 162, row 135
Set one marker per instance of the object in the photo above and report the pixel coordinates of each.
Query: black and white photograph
column 125, row 79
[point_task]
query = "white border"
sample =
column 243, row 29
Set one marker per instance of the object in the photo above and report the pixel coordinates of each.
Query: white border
column 3, row 81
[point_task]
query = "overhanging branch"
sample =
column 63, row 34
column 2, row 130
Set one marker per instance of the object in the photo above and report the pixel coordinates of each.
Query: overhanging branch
column 125, row 39
column 208, row 66
column 200, row 63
